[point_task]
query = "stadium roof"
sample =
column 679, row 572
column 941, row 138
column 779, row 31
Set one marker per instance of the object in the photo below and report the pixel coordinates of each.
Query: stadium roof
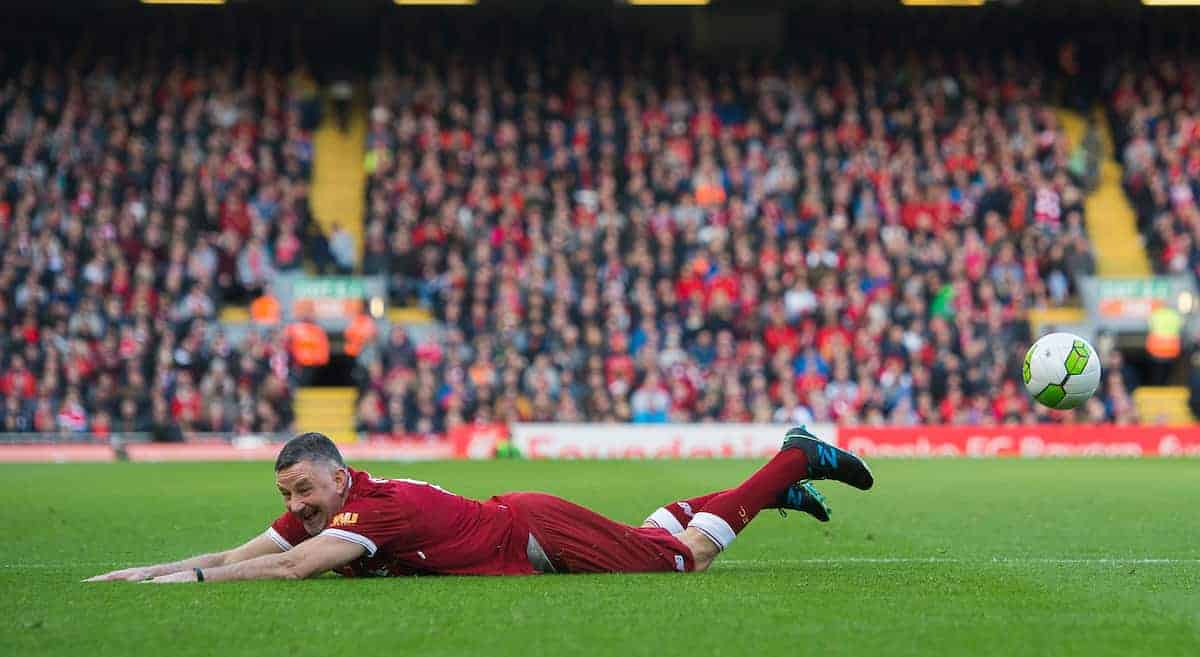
column 1058, row 7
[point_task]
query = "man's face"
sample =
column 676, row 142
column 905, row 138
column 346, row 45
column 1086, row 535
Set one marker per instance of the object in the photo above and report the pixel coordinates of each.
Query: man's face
column 313, row 492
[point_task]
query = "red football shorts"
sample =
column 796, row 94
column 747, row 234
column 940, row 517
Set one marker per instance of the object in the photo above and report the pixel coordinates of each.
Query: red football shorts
column 579, row 540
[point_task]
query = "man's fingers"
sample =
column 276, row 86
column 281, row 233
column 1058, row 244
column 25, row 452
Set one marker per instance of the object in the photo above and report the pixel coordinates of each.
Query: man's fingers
column 173, row 578
column 118, row 576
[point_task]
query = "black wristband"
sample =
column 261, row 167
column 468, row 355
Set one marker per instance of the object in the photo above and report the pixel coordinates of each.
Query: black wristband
column 199, row 574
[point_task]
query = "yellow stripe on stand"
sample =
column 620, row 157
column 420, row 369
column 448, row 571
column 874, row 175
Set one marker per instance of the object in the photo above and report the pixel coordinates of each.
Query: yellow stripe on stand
column 339, row 177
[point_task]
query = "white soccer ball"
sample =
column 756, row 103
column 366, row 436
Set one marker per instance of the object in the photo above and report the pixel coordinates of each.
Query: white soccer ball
column 1061, row 370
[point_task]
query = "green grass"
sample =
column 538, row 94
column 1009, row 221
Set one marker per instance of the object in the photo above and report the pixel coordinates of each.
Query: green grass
column 1003, row 558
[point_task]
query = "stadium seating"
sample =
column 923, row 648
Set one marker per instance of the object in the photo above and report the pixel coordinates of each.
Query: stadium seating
column 137, row 197
column 620, row 242
column 1152, row 111
column 675, row 242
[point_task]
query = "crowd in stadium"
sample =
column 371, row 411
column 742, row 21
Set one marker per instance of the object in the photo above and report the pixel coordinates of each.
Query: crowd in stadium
column 655, row 240
column 649, row 239
column 1153, row 110
column 136, row 197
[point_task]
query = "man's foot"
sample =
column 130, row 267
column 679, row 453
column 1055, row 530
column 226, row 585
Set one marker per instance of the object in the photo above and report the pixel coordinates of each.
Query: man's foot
column 804, row 497
column 828, row 462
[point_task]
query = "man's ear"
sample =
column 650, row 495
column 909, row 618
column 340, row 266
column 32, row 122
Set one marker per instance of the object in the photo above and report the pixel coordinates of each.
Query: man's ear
column 341, row 478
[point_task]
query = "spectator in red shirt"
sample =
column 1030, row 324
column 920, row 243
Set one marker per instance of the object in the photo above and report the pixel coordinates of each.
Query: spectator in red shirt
column 18, row 382
column 659, row 212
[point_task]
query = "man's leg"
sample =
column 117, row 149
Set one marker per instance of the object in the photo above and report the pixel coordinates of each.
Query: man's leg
column 800, row 496
column 675, row 516
column 578, row 540
column 803, row 457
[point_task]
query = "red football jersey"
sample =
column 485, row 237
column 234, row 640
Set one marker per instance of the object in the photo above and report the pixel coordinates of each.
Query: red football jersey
column 414, row 528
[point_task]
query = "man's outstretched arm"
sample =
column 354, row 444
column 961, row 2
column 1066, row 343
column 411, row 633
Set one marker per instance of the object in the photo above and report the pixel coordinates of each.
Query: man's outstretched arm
column 256, row 547
column 312, row 557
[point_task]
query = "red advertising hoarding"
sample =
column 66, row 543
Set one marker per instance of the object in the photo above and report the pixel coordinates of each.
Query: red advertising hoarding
column 652, row 441
column 1055, row 440
column 51, row 453
column 386, row 450
column 669, row 441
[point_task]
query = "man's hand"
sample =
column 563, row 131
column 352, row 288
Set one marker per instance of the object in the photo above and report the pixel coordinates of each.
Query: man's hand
column 312, row 557
column 174, row 578
column 255, row 547
column 125, row 575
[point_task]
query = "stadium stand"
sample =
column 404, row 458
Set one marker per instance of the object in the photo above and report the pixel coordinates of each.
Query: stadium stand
column 1151, row 108
column 647, row 237
column 1152, row 111
column 138, row 194
column 655, row 238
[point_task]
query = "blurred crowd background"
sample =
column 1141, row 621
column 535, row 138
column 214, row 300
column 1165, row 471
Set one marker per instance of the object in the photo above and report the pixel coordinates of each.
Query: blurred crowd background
column 606, row 226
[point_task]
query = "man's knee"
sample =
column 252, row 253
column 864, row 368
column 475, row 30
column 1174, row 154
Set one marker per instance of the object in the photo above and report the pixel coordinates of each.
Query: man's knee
column 664, row 519
column 704, row 550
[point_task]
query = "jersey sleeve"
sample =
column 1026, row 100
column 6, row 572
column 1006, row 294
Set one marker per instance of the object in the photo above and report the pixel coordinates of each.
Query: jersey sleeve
column 372, row 522
column 287, row 531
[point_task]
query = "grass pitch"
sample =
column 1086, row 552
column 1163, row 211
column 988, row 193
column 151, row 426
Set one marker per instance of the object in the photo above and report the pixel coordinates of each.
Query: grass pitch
column 1003, row 558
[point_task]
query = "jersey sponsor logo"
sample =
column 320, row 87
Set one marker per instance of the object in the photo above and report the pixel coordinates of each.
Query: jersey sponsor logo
column 343, row 519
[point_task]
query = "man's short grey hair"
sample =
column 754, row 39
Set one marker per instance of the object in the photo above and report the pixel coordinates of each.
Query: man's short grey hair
column 311, row 446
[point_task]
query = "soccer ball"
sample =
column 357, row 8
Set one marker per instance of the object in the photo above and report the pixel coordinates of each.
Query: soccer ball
column 1061, row 370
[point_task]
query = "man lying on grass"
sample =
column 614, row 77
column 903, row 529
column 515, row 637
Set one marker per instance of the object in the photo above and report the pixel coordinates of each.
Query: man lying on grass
column 347, row 521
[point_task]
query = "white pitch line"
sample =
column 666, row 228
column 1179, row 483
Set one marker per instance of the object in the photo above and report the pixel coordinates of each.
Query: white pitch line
column 65, row 564
column 936, row 560
column 1116, row 561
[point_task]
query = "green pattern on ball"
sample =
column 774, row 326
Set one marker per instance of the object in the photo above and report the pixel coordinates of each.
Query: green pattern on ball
column 1078, row 358
column 1052, row 395
column 1026, row 375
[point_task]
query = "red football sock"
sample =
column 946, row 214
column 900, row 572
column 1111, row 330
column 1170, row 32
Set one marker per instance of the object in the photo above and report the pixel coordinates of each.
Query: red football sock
column 683, row 511
column 676, row 515
column 726, row 514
